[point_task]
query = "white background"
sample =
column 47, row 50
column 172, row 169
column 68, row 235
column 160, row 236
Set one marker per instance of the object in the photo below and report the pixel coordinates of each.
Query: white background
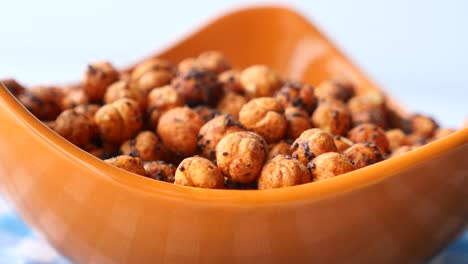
column 418, row 50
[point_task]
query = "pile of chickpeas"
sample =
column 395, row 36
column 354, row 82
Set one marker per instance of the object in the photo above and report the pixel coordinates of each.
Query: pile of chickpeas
column 201, row 123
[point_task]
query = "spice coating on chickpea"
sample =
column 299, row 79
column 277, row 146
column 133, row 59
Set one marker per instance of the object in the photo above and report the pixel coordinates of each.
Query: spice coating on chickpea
column 335, row 89
column 363, row 154
column 150, row 74
column 118, row 121
column 199, row 172
column 260, row 80
column 396, row 138
column 231, row 81
column 77, row 128
column 265, row 117
column 146, row 145
column 160, row 170
column 342, row 143
column 43, row 102
column 131, row 164
column 283, row 171
column 372, row 134
column 97, row 78
column 297, row 95
column 311, row 143
column 162, row 99
column 198, row 87
column 332, row 118
column 122, row 89
column 13, row 86
column 280, row 148
column 298, row 121
column 329, row 165
column 240, row 156
column 213, row 61
column 213, row 131
column 422, row 125
column 231, row 103
column 178, row 129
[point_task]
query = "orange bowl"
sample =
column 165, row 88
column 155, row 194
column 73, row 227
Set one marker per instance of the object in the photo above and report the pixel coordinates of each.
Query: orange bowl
column 401, row 210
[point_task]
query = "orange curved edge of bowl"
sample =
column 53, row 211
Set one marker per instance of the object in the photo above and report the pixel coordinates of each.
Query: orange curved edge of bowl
column 94, row 212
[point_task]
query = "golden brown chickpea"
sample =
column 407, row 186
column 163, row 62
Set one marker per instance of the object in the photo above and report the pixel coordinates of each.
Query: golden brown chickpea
column 401, row 150
column 118, row 121
column 368, row 101
column 199, row 172
column 87, row 109
column 73, row 97
column 198, row 87
column 146, row 145
column 231, row 81
column 43, row 102
column 231, row 103
column 372, row 134
column 153, row 64
column 122, row 89
column 213, row 61
column 329, row 165
column 373, row 116
column 280, row 148
column 342, row 143
column 213, row 131
column 161, row 100
column 240, row 156
column 332, row 118
column 187, row 64
column 205, row 112
column 77, row 128
column 396, row 138
column 178, row 129
column 298, row 95
column 97, row 78
column 337, row 89
column 311, row 143
column 283, row 171
column 127, row 163
column 422, row 125
column 298, row 121
column 265, row 117
column 160, row 170
column 442, row 132
column 259, row 81
column 151, row 74
column 13, row 86
column 363, row 154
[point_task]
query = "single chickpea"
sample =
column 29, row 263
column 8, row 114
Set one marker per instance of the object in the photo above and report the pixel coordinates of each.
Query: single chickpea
column 264, row 116
column 260, row 81
column 332, row 118
column 342, row 143
column 205, row 112
column 365, row 102
column 231, row 103
column 161, row 100
column 231, row 81
column 127, row 163
column 78, row 128
column 213, row 61
column 199, row 172
column 240, row 156
column 160, row 170
column 146, row 145
column 422, row 125
column 298, row 121
column 118, row 121
column 363, row 154
column 74, row 96
column 151, row 74
column 213, row 131
column 122, row 89
column 178, row 129
column 329, row 165
column 372, row 134
column 312, row 143
column 297, row 95
column 199, row 87
column 13, row 86
column 396, row 138
column 43, row 102
column 401, row 150
column 280, row 148
column 283, row 171
column 338, row 89
column 97, row 78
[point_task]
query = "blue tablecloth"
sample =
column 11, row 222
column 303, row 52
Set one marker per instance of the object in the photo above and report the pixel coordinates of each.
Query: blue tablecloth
column 19, row 244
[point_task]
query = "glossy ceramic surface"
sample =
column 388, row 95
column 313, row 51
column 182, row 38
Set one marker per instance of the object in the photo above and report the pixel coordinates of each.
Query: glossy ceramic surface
column 398, row 211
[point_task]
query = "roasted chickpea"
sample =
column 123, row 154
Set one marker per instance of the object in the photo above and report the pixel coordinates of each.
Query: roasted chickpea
column 338, row 89
column 368, row 101
column 240, row 156
column 298, row 121
column 372, row 134
column 332, row 118
column 297, row 95
column 213, row 61
column 73, row 97
column 363, row 154
column 373, row 116
column 97, row 78
column 283, row 171
column 280, row 148
column 415, row 140
column 187, row 64
column 329, row 165
column 264, row 116
column 231, row 81
column 401, row 150
column 122, row 89
column 160, row 170
column 311, row 143
column 231, row 104
column 150, row 74
column 259, row 81
column 118, row 121
column 205, row 112
column 146, row 145
column 76, row 127
column 87, row 109
column 13, row 86
column 342, row 143
column 178, row 129
column 162, row 99
column 396, row 138
column 422, row 125
column 43, row 102
column 213, row 131
column 127, row 163
column 199, row 172
column 198, row 87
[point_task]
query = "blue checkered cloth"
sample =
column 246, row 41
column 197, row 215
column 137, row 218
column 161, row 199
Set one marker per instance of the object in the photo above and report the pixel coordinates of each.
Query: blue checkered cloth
column 19, row 244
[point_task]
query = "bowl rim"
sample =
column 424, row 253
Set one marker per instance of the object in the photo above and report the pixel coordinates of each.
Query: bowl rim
column 311, row 191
